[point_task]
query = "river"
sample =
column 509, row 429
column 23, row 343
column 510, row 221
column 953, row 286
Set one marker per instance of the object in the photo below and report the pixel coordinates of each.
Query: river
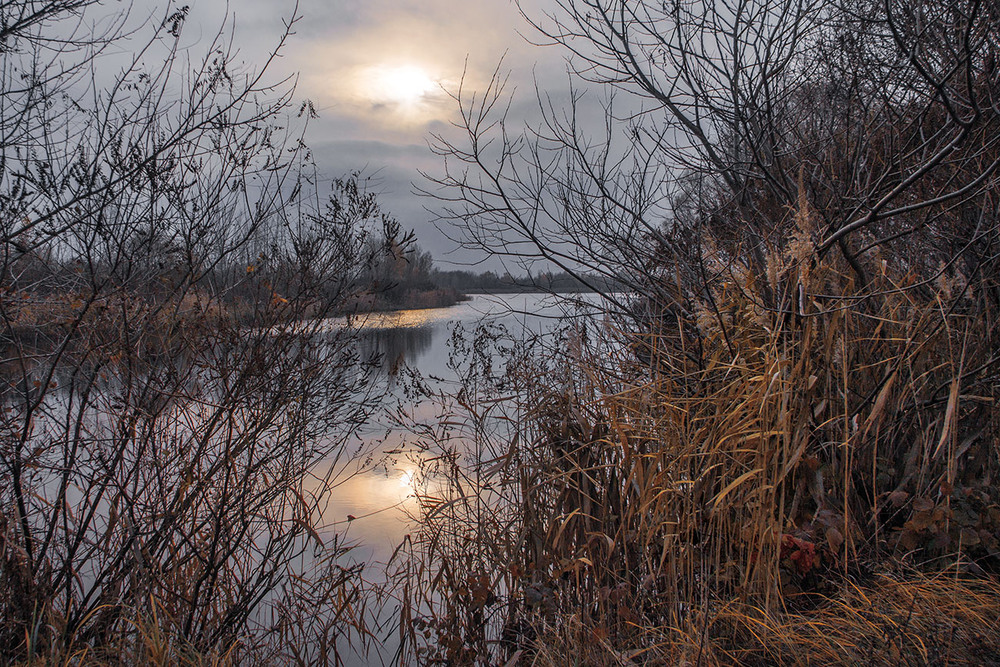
column 373, row 496
column 373, row 502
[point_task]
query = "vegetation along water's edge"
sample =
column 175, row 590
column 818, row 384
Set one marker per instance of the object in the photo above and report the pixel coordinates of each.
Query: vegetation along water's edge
column 768, row 434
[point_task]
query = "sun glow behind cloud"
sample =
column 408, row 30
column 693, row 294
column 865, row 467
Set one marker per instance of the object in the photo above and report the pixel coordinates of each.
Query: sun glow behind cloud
column 385, row 71
column 406, row 92
column 405, row 85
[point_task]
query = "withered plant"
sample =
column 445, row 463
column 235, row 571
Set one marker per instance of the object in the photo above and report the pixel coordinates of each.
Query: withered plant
column 789, row 415
column 168, row 383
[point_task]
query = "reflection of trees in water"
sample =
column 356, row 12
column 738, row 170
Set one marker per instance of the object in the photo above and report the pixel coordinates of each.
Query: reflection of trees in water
column 395, row 347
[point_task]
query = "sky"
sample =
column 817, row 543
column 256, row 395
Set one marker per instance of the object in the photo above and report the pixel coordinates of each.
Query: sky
column 377, row 72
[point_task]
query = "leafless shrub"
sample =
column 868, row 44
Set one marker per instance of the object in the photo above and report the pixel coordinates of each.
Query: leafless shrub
column 167, row 379
column 794, row 404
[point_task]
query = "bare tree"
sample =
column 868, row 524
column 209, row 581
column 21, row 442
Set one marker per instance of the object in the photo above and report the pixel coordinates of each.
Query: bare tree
column 170, row 386
column 719, row 115
column 797, row 387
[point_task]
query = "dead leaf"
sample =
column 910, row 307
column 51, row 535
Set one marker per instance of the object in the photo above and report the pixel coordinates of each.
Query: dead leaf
column 834, row 538
column 898, row 498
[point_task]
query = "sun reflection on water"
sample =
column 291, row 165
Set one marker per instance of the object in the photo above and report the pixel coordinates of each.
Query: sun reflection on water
column 398, row 319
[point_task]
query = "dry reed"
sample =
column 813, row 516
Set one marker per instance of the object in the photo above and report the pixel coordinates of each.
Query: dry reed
column 737, row 484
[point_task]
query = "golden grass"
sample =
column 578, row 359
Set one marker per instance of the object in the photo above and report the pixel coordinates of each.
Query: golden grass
column 915, row 620
column 682, row 490
column 148, row 641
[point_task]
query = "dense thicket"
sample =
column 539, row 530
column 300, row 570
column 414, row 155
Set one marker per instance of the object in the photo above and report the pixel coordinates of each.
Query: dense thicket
column 167, row 391
column 797, row 404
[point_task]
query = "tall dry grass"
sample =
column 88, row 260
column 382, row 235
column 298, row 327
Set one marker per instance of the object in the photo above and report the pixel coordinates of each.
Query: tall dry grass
column 728, row 483
column 149, row 642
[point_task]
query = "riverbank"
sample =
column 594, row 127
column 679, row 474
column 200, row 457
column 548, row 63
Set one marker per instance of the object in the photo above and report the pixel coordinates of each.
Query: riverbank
column 369, row 302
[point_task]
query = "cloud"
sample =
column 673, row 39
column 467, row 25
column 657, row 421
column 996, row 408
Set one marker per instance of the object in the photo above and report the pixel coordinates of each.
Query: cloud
column 342, row 47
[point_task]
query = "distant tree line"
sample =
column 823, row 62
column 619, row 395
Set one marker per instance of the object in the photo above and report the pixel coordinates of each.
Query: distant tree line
column 546, row 281
column 397, row 274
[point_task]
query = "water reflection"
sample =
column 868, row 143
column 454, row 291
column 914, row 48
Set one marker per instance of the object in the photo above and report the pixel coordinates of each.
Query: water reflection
column 372, row 500
column 402, row 319
column 418, row 340
column 396, row 347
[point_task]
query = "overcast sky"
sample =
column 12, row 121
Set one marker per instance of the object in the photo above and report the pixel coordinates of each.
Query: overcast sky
column 375, row 69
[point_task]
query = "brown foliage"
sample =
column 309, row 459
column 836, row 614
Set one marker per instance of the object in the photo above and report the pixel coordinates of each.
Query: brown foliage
column 739, row 458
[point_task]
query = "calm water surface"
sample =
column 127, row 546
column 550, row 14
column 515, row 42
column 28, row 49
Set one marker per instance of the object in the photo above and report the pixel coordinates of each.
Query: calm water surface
column 373, row 500
column 376, row 488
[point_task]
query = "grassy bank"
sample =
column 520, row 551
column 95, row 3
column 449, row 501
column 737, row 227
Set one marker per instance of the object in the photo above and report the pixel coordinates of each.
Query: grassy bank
column 812, row 484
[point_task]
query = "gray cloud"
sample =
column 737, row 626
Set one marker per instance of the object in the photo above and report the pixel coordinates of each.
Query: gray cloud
column 337, row 50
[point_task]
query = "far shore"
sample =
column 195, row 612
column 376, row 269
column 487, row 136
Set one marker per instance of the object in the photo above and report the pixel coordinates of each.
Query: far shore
column 467, row 296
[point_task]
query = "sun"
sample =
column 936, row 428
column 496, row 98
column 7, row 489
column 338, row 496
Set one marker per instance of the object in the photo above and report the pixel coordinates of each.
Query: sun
column 402, row 85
